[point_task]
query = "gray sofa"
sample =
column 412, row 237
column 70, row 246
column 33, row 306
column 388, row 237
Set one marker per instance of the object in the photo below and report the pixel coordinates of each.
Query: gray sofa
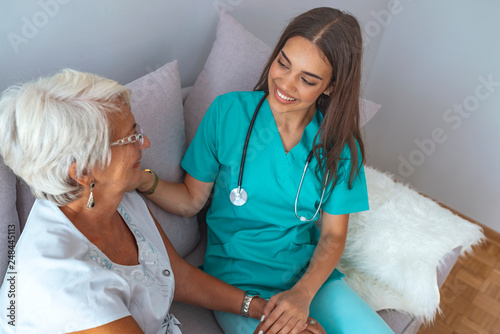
column 170, row 116
column 195, row 319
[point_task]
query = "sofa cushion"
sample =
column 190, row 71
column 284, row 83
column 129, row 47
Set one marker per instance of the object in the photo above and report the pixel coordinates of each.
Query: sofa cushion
column 157, row 106
column 234, row 64
column 393, row 250
column 9, row 223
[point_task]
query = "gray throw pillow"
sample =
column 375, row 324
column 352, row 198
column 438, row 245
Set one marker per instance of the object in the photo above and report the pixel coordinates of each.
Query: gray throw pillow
column 157, row 106
column 234, row 64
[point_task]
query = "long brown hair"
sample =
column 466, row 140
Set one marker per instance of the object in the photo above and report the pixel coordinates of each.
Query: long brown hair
column 338, row 36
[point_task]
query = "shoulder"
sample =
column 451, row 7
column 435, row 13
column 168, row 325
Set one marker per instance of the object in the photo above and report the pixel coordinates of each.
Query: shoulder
column 58, row 273
column 245, row 100
column 51, row 248
column 347, row 151
column 241, row 96
column 49, row 234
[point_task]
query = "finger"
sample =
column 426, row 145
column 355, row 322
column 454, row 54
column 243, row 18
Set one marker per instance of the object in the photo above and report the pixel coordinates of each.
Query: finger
column 270, row 305
column 292, row 327
column 314, row 328
column 257, row 330
column 299, row 327
column 271, row 319
column 281, row 326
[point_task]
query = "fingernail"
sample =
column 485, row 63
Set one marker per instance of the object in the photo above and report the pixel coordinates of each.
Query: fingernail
column 262, row 319
column 261, row 332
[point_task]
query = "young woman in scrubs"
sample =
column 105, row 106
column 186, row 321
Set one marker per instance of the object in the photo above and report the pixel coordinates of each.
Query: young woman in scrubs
column 312, row 82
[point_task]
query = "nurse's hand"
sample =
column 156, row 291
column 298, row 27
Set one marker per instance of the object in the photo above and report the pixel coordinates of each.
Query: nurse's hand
column 287, row 312
column 145, row 183
column 312, row 327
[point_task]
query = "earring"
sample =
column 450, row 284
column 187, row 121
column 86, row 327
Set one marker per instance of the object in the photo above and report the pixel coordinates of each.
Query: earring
column 91, row 201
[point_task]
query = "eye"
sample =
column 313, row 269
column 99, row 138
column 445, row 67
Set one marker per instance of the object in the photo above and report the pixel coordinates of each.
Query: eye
column 281, row 64
column 304, row 80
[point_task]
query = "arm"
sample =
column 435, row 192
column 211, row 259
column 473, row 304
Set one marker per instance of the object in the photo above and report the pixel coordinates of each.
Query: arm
column 289, row 310
column 183, row 199
column 193, row 286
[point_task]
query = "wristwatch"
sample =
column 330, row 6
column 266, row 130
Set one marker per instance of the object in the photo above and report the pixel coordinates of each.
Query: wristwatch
column 245, row 306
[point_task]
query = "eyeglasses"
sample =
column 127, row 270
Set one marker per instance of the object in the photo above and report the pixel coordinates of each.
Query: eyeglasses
column 137, row 136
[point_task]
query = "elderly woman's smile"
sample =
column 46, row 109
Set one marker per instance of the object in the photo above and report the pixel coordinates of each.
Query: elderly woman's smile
column 126, row 153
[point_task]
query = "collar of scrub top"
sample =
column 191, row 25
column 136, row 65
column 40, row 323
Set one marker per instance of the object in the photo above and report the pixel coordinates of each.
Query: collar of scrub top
column 238, row 196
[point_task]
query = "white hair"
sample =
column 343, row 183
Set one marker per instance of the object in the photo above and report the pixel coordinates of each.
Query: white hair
column 48, row 124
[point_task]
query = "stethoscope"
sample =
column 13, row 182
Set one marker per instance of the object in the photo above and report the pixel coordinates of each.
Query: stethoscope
column 238, row 196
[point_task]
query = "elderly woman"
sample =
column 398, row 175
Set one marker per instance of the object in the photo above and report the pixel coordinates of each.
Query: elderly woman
column 91, row 257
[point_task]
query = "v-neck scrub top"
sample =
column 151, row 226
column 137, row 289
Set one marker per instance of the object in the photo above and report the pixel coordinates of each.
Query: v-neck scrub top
column 262, row 245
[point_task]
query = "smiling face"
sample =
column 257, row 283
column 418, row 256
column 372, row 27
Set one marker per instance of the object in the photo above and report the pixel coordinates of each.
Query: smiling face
column 124, row 169
column 298, row 76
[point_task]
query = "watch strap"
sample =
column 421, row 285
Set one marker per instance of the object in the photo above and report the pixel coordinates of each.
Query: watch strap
column 245, row 306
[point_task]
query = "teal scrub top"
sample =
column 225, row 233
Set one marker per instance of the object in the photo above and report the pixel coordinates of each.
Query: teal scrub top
column 262, row 245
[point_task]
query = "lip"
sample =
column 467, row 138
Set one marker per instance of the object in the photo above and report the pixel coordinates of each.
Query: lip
column 280, row 99
column 137, row 164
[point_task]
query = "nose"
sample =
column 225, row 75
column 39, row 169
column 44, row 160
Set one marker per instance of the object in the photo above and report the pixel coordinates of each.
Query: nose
column 287, row 83
column 146, row 143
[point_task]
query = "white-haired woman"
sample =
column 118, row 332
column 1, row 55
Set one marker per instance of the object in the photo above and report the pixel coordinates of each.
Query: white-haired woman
column 91, row 256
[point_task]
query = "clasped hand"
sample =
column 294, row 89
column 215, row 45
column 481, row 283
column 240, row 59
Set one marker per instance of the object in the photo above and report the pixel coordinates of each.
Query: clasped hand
column 288, row 312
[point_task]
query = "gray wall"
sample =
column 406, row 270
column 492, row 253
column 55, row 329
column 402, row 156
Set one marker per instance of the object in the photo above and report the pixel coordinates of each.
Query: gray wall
column 439, row 125
column 125, row 39
column 426, row 57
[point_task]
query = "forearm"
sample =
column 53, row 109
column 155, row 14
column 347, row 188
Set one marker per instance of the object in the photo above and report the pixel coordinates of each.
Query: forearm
column 327, row 253
column 195, row 287
column 324, row 260
column 176, row 198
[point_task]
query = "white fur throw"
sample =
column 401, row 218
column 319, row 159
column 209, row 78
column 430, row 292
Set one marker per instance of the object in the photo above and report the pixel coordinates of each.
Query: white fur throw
column 393, row 249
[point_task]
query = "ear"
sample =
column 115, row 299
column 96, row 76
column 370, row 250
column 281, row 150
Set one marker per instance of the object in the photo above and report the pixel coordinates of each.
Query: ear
column 329, row 90
column 84, row 180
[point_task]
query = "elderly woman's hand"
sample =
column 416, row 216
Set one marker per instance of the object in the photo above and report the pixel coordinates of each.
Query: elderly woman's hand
column 312, row 327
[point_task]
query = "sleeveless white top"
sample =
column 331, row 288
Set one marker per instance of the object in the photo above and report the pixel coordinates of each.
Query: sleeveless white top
column 64, row 283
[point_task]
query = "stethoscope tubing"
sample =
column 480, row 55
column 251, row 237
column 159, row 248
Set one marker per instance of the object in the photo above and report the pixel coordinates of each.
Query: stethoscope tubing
column 247, row 139
column 302, row 218
column 239, row 196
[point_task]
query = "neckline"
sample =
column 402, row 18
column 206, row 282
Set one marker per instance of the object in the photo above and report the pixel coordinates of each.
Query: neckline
column 112, row 263
column 306, row 141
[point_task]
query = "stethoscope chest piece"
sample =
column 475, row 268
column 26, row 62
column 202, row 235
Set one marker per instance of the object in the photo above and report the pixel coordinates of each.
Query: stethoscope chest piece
column 238, row 196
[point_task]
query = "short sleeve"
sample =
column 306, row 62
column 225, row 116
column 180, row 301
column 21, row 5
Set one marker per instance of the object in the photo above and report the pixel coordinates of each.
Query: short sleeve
column 200, row 160
column 89, row 301
column 343, row 200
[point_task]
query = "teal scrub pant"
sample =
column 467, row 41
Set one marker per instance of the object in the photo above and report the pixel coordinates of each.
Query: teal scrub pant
column 336, row 307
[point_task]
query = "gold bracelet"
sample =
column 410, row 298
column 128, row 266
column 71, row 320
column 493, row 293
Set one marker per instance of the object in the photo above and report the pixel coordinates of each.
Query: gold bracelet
column 151, row 190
